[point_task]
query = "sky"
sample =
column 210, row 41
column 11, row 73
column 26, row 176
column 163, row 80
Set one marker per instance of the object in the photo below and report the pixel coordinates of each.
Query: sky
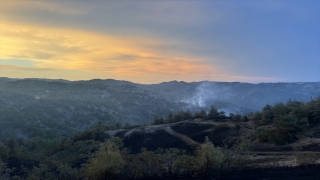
column 157, row 41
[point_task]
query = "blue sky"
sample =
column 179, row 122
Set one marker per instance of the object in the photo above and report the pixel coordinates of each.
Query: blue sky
column 156, row 41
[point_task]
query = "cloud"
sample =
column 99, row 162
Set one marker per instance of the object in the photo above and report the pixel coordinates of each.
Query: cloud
column 68, row 49
column 175, row 12
column 10, row 67
column 136, row 58
column 52, row 6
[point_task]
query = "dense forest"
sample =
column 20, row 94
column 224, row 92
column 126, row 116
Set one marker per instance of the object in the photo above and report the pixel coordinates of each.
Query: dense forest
column 93, row 154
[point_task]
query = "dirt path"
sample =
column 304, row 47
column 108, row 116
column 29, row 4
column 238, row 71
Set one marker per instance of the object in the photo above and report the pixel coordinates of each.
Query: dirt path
column 184, row 138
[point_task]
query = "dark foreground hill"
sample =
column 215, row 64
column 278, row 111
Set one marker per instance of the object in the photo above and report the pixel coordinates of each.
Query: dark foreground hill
column 168, row 151
column 280, row 141
column 191, row 133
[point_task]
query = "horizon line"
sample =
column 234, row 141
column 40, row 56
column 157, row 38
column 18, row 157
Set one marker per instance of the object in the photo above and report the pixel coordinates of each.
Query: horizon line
column 60, row 79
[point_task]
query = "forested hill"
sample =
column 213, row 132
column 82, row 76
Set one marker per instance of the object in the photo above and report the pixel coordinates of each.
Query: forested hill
column 32, row 107
column 278, row 142
column 46, row 108
column 245, row 95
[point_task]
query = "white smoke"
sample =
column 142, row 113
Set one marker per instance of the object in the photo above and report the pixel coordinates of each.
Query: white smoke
column 208, row 93
column 204, row 92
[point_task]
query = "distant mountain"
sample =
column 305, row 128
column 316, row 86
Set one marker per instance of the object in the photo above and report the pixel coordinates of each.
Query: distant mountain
column 62, row 107
column 235, row 96
column 45, row 107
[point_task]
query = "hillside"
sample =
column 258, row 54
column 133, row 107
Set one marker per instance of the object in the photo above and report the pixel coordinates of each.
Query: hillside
column 279, row 141
column 241, row 95
column 54, row 108
column 189, row 134
column 32, row 107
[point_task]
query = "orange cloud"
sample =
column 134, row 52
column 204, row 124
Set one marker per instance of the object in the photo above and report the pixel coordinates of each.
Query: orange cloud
column 68, row 49
column 137, row 59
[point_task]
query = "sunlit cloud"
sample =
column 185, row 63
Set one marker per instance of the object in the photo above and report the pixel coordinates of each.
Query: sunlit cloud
column 67, row 49
column 138, row 59
column 15, row 68
column 155, row 41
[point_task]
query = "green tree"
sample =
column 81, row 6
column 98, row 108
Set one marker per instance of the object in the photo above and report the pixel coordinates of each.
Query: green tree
column 4, row 151
column 313, row 110
column 256, row 117
column 147, row 164
column 222, row 114
column 186, row 164
column 187, row 115
column 169, row 118
column 201, row 114
column 279, row 109
column 287, row 127
column 107, row 162
column 171, row 160
column 178, row 116
column 43, row 171
column 209, row 157
column 266, row 115
column 157, row 120
column 12, row 147
column 264, row 134
column 3, row 169
column 213, row 112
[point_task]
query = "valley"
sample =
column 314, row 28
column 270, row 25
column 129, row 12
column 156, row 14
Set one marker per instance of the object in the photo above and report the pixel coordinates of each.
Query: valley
column 98, row 129
column 58, row 108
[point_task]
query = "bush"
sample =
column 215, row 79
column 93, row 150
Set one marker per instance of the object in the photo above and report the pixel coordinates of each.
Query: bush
column 209, row 157
column 108, row 161
column 287, row 127
column 263, row 134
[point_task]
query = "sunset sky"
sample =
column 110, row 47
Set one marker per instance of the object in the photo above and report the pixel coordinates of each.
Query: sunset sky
column 156, row 41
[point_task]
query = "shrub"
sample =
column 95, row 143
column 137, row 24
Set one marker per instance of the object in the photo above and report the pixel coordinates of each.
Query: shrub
column 263, row 134
column 209, row 157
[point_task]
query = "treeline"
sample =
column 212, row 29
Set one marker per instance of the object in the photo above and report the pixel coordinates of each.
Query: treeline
column 281, row 123
column 91, row 159
column 213, row 113
column 39, row 158
column 110, row 161
column 278, row 124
